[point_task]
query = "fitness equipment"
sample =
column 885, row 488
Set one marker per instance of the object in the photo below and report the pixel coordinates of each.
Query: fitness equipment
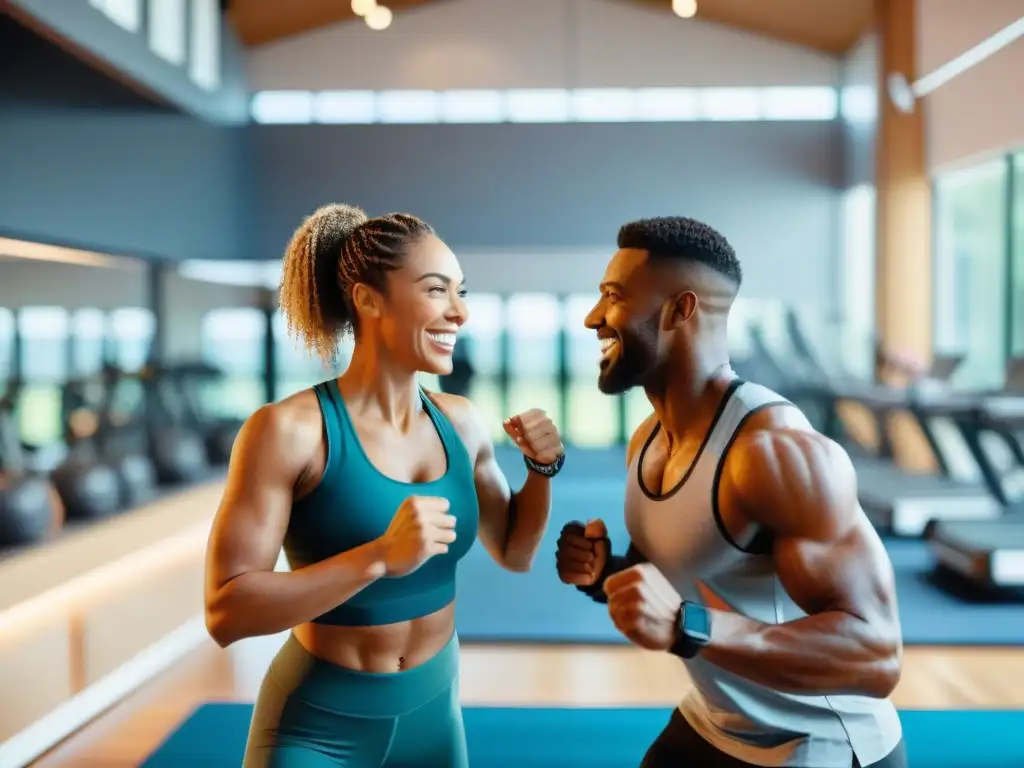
column 989, row 552
column 120, row 441
column 218, row 433
column 89, row 488
column 30, row 509
column 178, row 453
column 896, row 501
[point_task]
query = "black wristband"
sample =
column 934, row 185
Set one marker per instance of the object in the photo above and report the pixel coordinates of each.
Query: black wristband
column 693, row 630
column 547, row 470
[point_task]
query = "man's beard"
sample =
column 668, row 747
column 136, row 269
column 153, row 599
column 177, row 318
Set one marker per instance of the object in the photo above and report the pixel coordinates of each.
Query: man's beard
column 635, row 359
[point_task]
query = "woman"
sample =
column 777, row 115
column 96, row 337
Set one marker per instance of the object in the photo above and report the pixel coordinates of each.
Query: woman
column 375, row 490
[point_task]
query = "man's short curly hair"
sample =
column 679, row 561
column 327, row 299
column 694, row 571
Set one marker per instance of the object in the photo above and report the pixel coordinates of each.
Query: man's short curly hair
column 677, row 238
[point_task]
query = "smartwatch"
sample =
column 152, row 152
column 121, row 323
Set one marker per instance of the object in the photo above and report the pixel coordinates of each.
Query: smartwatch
column 693, row 630
column 547, row 470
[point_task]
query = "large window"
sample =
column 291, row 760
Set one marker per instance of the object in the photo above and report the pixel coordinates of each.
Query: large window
column 88, row 342
column 1017, row 235
column 483, row 336
column 6, row 343
column 593, row 419
column 970, row 272
column 297, row 368
column 44, row 358
column 534, row 323
column 232, row 341
column 857, row 337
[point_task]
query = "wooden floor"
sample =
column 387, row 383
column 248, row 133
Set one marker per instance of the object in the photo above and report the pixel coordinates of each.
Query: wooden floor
column 933, row 678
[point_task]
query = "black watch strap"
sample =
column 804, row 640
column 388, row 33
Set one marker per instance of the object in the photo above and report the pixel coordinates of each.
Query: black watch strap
column 547, row 470
column 693, row 630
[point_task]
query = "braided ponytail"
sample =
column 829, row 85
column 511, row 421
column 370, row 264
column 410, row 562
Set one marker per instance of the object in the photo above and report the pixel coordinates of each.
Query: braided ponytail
column 334, row 249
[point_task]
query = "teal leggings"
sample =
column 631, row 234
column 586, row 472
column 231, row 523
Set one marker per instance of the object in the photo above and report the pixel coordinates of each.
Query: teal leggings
column 312, row 714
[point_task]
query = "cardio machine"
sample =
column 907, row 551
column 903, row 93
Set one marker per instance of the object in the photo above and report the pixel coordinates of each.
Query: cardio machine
column 30, row 509
column 898, row 502
column 989, row 553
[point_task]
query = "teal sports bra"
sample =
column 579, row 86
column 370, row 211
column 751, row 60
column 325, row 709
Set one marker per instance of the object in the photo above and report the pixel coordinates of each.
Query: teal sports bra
column 354, row 504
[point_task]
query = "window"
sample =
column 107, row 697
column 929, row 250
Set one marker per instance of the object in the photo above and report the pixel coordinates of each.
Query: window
column 472, row 107
column 166, row 30
column 408, row 107
column 538, row 106
column 1017, row 235
column 730, row 104
column 6, row 343
column 127, row 14
column 204, row 51
column 549, row 105
column 284, row 108
column 44, row 355
column 800, row 103
column 231, row 339
column 534, row 323
column 343, row 107
column 483, row 336
column 593, row 418
column 130, row 330
column 858, row 270
column 970, row 272
column 87, row 341
column 296, row 367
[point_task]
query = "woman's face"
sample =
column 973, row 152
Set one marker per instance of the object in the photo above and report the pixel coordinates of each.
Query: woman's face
column 424, row 307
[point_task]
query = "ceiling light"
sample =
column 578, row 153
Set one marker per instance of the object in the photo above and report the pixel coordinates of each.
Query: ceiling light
column 379, row 18
column 363, row 7
column 684, row 9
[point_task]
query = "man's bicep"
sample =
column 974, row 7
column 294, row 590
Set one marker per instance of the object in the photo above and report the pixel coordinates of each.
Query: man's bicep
column 802, row 487
column 852, row 574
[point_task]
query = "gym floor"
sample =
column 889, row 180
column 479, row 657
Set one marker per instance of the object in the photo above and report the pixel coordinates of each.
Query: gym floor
column 521, row 675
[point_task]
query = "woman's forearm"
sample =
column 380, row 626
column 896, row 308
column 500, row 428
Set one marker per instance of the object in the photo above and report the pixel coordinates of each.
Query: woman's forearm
column 529, row 512
column 268, row 602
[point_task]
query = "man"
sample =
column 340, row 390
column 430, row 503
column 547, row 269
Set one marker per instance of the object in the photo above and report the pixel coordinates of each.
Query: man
column 749, row 557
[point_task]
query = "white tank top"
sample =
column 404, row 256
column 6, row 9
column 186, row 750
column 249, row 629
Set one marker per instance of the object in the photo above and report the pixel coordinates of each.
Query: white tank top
column 682, row 534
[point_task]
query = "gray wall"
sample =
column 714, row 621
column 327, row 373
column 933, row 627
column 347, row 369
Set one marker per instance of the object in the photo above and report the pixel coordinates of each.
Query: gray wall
column 772, row 188
column 88, row 162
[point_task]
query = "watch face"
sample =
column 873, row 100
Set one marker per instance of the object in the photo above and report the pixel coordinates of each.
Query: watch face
column 697, row 622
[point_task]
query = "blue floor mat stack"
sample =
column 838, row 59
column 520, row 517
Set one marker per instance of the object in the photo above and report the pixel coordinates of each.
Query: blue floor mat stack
column 214, row 737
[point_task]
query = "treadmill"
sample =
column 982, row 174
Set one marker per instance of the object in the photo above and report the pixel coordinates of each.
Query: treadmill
column 990, row 553
column 897, row 502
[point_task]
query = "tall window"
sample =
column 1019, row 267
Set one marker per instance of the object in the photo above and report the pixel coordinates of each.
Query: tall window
column 534, row 322
column 482, row 336
column 204, row 66
column 593, row 419
column 231, row 339
column 88, row 329
column 1017, row 224
column 44, row 357
column 970, row 272
column 857, row 342
column 6, row 343
column 167, row 29
column 296, row 367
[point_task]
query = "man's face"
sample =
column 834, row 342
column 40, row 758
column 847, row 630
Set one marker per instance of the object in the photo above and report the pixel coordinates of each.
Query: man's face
column 626, row 319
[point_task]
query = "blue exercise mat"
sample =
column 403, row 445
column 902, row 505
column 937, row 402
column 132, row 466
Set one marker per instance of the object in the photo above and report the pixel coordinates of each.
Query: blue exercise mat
column 214, row 737
column 495, row 605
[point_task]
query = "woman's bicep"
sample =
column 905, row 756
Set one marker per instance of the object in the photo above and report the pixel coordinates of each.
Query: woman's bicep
column 249, row 527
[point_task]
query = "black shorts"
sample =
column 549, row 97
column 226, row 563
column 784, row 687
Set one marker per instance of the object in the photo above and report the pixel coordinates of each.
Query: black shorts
column 679, row 746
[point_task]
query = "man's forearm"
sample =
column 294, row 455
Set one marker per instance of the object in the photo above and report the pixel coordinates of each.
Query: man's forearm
column 829, row 653
column 529, row 512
